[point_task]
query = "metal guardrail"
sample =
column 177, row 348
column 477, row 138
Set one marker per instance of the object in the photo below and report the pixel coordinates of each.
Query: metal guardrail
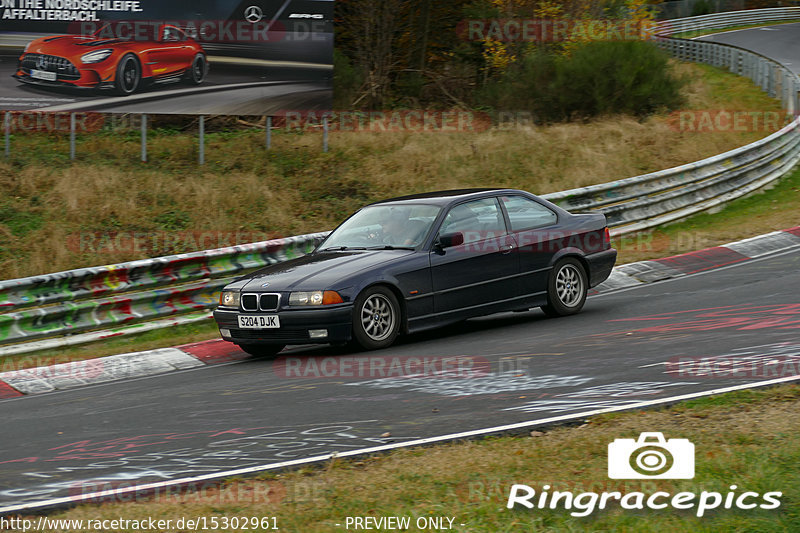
column 642, row 202
column 86, row 299
column 728, row 19
column 89, row 298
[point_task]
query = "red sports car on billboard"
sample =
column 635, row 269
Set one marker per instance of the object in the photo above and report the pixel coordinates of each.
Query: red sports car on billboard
column 114, row 59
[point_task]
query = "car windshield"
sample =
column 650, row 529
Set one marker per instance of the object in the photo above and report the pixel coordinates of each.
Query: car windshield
column 383, row 227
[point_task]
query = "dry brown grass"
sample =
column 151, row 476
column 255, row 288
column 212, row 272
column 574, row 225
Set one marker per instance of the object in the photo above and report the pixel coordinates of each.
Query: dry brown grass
column 49, row 201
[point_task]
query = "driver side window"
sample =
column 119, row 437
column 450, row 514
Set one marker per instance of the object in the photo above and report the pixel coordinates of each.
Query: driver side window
column 170, row 35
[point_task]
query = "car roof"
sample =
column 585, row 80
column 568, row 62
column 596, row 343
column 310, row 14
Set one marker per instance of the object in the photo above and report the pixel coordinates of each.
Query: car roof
column 443, row 197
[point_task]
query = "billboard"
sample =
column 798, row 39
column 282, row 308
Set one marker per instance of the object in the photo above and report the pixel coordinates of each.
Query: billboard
column 248, row 57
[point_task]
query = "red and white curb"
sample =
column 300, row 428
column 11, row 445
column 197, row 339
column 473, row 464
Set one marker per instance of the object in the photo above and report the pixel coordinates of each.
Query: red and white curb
column 676, row 266
column 74, row 374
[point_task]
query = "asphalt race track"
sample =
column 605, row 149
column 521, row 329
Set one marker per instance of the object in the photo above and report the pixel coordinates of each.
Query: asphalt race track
column 776, row 42
column 622, row 349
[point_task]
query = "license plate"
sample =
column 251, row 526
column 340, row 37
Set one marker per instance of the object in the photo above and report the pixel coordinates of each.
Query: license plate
column 259, row 322
column 43, row 75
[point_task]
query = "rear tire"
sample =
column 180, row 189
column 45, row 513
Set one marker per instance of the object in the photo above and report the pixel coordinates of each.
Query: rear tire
column 262, row 350
column 129, row 75
column 566, row 288
column 376, row 318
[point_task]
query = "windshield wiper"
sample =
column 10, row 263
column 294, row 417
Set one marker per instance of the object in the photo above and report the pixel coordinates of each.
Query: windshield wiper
column 342, row 248
column 390, row 247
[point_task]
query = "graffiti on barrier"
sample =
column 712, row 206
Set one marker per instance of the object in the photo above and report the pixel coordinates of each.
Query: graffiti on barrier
column 91, row 297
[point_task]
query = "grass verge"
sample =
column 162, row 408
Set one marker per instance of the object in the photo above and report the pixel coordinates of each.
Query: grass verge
column 746, row 438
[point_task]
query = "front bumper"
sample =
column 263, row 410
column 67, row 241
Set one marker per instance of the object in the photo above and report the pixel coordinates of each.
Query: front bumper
column 88, row 80
column 295, row 326
column 600, row 266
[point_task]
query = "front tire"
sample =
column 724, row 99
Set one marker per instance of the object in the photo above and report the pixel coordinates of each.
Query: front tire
column 129, row 75
column 262, row 350
column 376, row 318
column 198, row 71
column 566, row 288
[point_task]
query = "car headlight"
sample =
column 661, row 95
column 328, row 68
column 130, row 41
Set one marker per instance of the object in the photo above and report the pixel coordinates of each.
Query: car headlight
column 315, row 298
column 96, row 56
column 230, row 299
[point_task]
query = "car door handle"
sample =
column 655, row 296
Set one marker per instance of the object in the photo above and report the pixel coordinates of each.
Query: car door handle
column 507, row 248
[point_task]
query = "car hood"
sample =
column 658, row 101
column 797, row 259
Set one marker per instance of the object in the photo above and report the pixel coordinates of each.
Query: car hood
column 70, row 45
column 317, row 271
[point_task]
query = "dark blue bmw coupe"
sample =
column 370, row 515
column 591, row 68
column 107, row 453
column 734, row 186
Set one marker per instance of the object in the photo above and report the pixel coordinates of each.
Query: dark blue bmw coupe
column 417, row 262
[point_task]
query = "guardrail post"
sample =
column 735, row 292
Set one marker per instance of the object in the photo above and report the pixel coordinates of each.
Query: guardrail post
column 201, row 158
column 144, row 138
column 268, row 133
column 72, row 136
column 7, row 130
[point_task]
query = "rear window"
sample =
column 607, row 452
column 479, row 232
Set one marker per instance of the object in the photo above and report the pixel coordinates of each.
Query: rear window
column 524, row 213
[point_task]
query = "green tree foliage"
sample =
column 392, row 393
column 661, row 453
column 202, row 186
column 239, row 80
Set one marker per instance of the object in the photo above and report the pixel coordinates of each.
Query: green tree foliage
column 598, row 78
column 416, row 53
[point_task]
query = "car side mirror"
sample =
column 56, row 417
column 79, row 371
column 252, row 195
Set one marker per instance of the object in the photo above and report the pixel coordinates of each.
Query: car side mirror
column 449, row 240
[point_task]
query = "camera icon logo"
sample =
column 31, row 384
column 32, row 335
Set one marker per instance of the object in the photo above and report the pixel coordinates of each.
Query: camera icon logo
column 651, row 457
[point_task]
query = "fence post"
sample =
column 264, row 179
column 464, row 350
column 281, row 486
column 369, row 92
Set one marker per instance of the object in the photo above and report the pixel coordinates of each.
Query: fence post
column 144, row 138
column 7, row 129
column 72, row 136
column 325, row 134
column 202, row 154
column 268, row 133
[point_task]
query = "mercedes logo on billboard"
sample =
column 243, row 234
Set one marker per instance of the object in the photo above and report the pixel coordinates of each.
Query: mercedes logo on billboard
column 253, row 14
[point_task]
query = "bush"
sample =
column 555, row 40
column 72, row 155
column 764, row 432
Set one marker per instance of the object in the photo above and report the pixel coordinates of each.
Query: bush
column 598, row 78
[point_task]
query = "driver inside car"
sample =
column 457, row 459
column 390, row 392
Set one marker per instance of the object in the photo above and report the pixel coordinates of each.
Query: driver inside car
column 395, row 230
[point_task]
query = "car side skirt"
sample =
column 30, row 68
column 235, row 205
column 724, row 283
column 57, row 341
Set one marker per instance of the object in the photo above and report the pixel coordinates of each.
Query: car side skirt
column 435, row 320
